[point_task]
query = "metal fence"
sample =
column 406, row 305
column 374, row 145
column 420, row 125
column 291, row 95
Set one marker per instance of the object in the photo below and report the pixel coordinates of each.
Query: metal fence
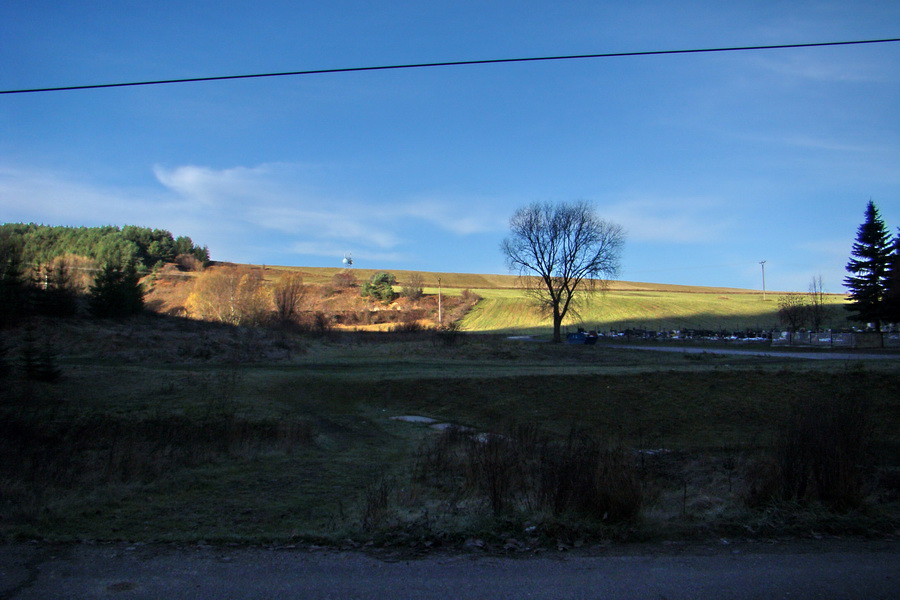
column 837, row 340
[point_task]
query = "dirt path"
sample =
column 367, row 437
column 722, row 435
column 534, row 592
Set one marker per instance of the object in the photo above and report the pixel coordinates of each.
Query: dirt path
column 722, row 571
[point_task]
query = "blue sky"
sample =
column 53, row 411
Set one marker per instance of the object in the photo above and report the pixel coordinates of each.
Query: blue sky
column 710, row 162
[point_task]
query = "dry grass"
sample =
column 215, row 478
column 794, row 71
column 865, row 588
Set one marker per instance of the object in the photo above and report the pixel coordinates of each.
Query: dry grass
column 167, row 429
column 504, row 308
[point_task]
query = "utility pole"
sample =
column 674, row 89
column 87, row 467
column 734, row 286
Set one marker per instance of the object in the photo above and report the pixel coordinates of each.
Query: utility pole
column 762, row 264
column 440, row 306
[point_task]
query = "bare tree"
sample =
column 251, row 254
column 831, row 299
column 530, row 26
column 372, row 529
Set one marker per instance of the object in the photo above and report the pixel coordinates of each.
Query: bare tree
column 414, row 288
column 818, row 309
column 229, row 295
column 793, row 311
column 556, row 247
column 288, row 295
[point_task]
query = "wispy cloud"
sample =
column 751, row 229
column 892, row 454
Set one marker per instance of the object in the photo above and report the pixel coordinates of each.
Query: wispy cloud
column 44, row 195
column 240, row 212
column 810, row 142
column 463, row 216
column 811, row 66
column 671, row 220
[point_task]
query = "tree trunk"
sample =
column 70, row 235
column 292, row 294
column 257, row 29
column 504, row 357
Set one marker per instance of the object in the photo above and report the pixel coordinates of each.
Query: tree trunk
column 557, row 326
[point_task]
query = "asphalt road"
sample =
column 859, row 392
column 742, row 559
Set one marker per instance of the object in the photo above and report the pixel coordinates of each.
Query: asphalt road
column 825, row 355
column 722, row 571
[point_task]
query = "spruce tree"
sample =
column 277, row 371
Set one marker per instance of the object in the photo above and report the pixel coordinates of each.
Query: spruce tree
column 116, row 292
column 891, row 312
column 868, row 269
column 13, row 290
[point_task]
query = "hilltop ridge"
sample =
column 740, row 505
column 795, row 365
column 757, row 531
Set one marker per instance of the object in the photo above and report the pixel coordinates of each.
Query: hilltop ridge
column 492, row 280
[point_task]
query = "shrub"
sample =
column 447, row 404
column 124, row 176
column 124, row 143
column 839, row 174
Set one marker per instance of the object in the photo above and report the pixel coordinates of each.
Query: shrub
column 414, row 288
column 380, row 287
column 229, row 295
column 526, row 470
column 448, row 335
column 820, row 452
column 470, row 297
column 188, row 262
column 344, row 280
column 288, row 295
column 409, row 322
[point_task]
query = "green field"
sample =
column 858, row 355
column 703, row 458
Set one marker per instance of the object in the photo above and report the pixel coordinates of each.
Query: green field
column 626, row 304
column 167, row 429
column 507, row 311
column 164, row 430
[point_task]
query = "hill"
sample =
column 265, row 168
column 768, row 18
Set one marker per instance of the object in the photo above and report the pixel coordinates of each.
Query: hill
column 503, row 307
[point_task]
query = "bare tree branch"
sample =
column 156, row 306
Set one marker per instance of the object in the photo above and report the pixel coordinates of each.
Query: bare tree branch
column 556, row 248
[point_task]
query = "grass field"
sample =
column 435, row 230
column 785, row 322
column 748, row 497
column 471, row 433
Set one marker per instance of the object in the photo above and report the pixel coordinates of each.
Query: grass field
column 625, row 304
column 162, row 430
column 508, row 311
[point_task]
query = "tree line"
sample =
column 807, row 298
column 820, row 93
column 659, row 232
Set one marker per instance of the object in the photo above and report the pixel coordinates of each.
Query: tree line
column 49, row 270
column 38, row 245
column 874, row 272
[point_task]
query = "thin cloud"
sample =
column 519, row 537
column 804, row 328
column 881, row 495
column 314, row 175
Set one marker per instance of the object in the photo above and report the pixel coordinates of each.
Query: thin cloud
column 283, row 201
column 47, row 196
column 811, row 67
column 336, row 251
column 676, row 220
column 815, row 143
column 339, row 224
column 230, row 209
column 462, row 216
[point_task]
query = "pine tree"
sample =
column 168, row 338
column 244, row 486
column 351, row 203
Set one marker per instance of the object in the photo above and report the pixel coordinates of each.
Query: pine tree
column 891, row 312
column 4, row 362
column 380, row 287
column 12, row 284
column 116, row 292
column 868, row 269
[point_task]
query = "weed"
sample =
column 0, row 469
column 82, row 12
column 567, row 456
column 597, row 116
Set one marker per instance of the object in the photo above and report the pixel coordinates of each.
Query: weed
column 526, row 470
column 821, row 450
column 376, row 503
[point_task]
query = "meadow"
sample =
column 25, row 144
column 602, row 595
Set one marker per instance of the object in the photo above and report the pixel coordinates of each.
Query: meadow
column 621, row 305
column 170, row 429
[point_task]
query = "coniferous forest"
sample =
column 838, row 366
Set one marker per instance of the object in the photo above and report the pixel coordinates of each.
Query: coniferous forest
column 44, row 269
column 141, row 246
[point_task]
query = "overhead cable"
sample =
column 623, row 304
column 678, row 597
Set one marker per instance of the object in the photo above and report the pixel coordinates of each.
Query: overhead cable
column 442, row 64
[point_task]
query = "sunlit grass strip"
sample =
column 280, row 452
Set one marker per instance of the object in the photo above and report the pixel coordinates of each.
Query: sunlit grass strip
column 509, row 311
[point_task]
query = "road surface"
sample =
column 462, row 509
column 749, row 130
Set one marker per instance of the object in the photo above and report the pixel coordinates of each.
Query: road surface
column 785, row 354
column 865, row 570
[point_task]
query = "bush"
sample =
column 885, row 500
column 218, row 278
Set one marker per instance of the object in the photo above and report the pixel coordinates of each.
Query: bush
column 525, row 470
column 188, row 262
column 409, row 322
column 289, row 294
column 380, row 287
column 344, row 280
column 821, row 452
column 448, row 335
column 229, row 295
column 414, row 288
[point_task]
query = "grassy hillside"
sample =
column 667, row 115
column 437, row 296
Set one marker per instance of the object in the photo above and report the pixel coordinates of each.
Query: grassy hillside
column 626, row 304
column 508, row 311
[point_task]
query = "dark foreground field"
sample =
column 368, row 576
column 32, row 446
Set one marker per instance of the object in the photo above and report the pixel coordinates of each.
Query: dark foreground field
column 163, row 430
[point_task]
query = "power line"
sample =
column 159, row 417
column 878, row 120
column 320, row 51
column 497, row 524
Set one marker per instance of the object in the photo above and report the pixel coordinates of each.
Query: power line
column 443, row 64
